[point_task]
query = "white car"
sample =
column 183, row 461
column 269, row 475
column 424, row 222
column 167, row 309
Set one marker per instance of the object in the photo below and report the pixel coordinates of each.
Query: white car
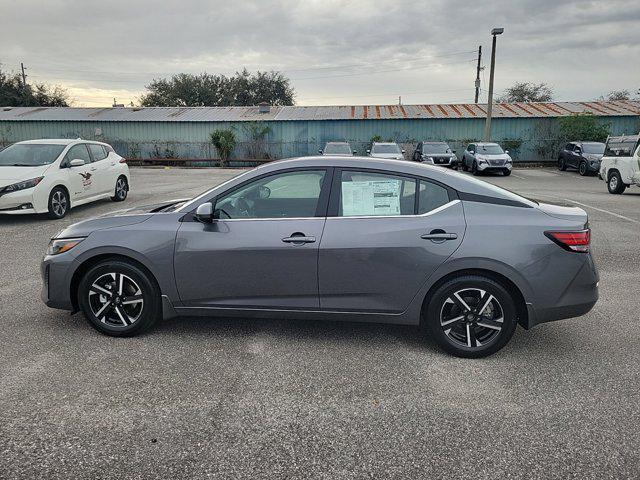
column 620, row 165
column 386, row 150
column 483, row 157
column 52, row 176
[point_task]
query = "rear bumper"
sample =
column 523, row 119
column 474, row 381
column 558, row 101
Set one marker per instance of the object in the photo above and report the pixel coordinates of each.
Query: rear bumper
column 578, row 298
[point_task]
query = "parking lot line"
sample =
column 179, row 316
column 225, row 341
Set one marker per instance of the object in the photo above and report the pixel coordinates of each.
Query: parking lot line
column 603, row 210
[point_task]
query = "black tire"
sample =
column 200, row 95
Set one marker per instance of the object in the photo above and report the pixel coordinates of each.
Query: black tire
column 121, row 189
column 59, row 203
column 583, row 168
column 464, row 164
column 506, row 172
column 615, row 184
column 562, row 165
column 462, row 326
column 130, row 310
column 474, row 169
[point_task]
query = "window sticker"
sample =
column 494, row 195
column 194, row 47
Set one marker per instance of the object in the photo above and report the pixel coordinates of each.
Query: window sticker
column 367, row 198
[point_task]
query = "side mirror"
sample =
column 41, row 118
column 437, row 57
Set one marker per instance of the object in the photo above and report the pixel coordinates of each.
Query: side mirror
column 355, row 152
column 507, row 152
column 76, row 162
column 403, row 151
column 368, row 152
column 453, row 151
column 320, row 151
column 204, row 213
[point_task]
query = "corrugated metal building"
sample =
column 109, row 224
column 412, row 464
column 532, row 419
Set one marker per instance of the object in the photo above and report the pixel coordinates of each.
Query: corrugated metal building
column 183, row 132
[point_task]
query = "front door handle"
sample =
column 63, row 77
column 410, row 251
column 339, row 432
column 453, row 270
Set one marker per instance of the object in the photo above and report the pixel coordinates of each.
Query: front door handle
column 439, row 236
column 299, row 238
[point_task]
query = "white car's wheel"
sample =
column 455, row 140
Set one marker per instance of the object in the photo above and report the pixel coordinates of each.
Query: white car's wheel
column 58, row 203
column 121, row 189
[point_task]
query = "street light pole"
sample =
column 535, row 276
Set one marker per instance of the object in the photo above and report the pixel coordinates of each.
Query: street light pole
column 487, row 126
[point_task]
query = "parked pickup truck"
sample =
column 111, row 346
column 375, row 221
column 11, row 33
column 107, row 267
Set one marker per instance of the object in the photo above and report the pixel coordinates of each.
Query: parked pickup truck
column 620, row 165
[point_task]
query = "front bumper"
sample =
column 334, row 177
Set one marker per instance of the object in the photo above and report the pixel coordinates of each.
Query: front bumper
column 56, row 284
column 17, row 202
column 487, row 167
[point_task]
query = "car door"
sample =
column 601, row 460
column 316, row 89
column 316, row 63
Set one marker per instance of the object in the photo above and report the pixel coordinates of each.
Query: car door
column 262, row 250
column 417, row 154
column 104, row 171
column 81, row 180
column 381, row 243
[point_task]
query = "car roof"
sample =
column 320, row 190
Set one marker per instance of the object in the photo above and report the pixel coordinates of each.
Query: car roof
column 384, row 143
column 625, row 138
column 435, row 143
column 337, row 143
column 58, row 141
column 485, row 143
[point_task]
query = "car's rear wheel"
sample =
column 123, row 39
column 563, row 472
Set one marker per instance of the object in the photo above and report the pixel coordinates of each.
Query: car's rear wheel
column 121, row 189
column 119, row 298
column 583, row 169
column 562, row 165
column 58, row 203
column 615, row 184
column 471, row 316
column 464, row 164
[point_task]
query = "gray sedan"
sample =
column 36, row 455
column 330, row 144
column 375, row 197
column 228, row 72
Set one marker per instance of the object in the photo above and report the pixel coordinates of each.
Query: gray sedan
column 334, row 238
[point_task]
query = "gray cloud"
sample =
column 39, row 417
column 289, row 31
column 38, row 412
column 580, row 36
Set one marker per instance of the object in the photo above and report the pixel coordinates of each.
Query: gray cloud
column 411, row 48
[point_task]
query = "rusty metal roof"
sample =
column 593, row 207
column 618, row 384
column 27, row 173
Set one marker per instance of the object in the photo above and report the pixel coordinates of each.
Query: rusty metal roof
column 341, row 112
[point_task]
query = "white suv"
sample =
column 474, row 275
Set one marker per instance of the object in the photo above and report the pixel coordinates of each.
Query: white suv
column 620, row 165
column 52, row 176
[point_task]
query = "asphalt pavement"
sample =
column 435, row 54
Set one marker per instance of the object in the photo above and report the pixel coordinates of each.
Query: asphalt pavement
column 207, row 398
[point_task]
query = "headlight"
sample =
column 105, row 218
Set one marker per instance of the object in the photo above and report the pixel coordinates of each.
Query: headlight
column 509, row 160
column 480, row 160
column 22, row 185
column 61, row 245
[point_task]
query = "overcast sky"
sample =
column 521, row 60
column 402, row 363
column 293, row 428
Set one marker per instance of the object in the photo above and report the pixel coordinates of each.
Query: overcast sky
column 335, row 52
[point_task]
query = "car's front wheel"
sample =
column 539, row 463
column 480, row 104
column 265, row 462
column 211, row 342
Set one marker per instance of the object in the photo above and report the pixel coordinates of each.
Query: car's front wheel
column 583, row 169
column 471, row 316
column 58, row 205
column 474, row 168
column 119, row 298
column 506, row 172
column 615, row 184
column 562, row 165
column 121, row 190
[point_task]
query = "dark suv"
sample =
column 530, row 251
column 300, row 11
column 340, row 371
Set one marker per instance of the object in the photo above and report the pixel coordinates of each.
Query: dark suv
column 436, row 153
column 584, row 156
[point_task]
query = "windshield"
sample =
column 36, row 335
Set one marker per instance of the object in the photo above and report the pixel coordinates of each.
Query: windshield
column 387, row 148
column 597, row 148
column 30, row 154
column 337, row 148
column 490, row 150
column 436, row 148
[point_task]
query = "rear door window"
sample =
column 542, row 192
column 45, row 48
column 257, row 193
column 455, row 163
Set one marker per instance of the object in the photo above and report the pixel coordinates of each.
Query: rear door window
column 97, row 151
column 431, row 196
column 369, row 194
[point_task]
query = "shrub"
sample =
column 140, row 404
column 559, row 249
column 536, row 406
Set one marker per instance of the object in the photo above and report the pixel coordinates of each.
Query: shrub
column 225, row 142
column 584, row 126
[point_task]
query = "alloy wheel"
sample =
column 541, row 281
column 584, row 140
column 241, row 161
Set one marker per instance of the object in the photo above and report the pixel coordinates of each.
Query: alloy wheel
column 59, row 203
column 121, row 188
column 116, row 300
column 613, row 183
column 583, row 168
column 471, row 317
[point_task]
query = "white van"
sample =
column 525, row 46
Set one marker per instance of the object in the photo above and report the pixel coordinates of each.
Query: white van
column 620, row 165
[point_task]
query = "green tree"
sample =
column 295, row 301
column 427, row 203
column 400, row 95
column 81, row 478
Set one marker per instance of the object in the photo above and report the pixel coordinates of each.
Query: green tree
column 256, row 133
column 584, row 126
column 14, row 94
column 242, row 89
column 527, row 92
column 225, row 142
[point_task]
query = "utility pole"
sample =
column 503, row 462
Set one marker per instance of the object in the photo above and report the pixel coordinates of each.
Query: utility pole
column 487, row 126
column 478, row 68
column 24, row 76
column 399, row 100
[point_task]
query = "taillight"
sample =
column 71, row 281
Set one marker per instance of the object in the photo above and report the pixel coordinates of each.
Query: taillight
column 577, row 241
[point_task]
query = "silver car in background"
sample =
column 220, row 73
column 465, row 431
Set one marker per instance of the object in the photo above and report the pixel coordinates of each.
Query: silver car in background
column 334, row 238
column 484, row 157
column 389, row 150
column 338, row 149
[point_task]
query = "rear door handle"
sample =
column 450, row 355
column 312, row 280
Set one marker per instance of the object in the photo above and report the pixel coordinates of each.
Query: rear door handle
column 439, row 236
column 299, row 239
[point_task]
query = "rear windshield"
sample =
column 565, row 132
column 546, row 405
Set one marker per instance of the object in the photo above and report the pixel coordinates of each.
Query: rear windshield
column 489, row 149
column 30, row 154
column 624, row 148
column 597, row 148
column 337, row 148
column 436, row 148
column 393, row 148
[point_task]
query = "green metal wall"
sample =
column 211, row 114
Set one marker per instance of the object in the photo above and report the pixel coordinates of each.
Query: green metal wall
column 296, row 138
